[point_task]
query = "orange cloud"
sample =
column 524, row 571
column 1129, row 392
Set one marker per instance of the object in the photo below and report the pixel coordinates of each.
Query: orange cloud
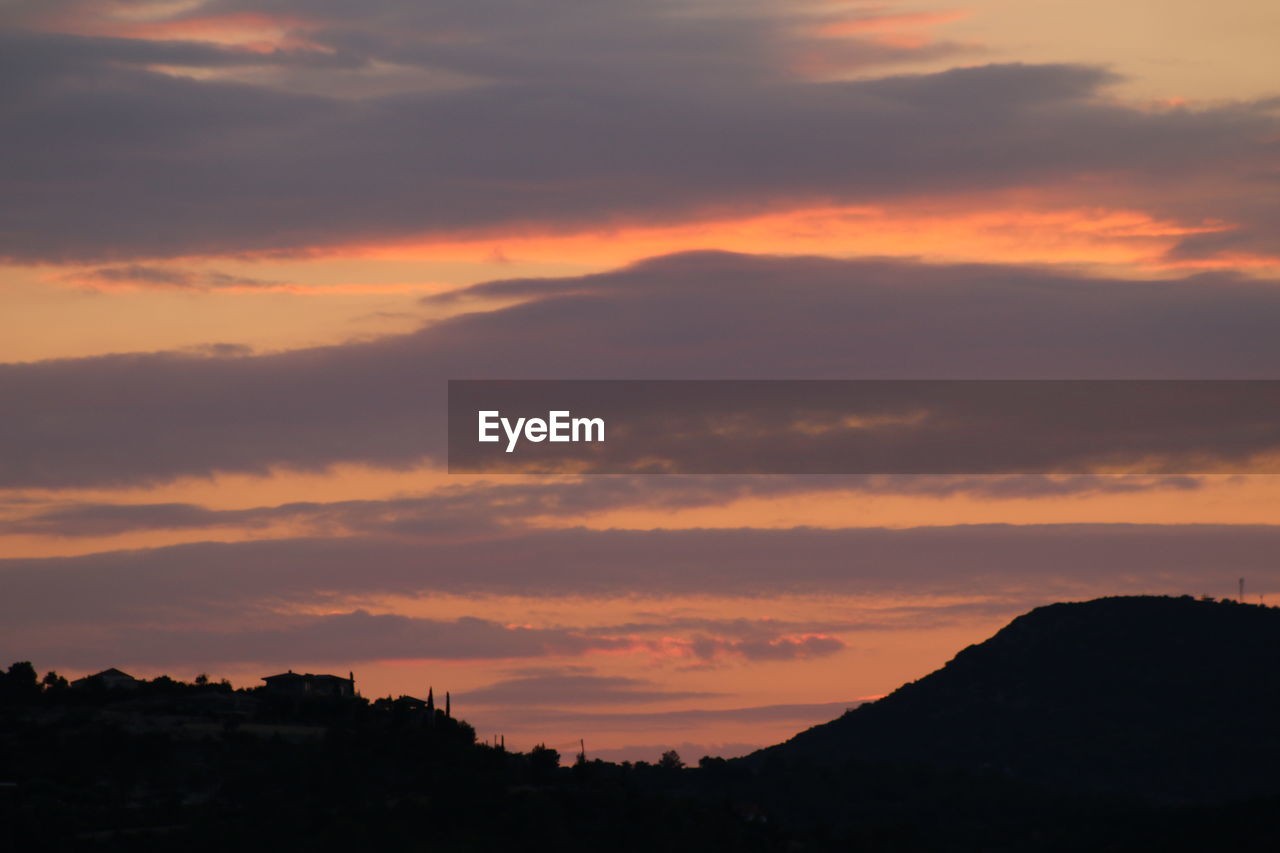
column 880, row 23
column 258, row 32
column 1001, row 230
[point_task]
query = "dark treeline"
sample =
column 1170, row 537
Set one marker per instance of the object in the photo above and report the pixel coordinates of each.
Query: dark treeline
column 170, row 765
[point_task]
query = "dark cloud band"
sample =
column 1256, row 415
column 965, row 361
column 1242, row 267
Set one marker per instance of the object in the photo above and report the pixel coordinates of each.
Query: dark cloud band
column 618, row 113
column 863, row 427
column 227, row 580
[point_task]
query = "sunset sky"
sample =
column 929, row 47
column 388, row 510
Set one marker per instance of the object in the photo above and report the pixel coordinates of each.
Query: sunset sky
column 245, row 243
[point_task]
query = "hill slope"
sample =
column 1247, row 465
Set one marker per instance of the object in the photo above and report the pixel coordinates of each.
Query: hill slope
column 1168, row 698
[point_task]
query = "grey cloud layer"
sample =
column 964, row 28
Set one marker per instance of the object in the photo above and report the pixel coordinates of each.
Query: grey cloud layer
column 211, row 603
column 253, row 636
column 557, row 687
column 139, row 275
column 585, row 113
column 877, row 427
column 351, row 637
column 143, row 418
column 468, row 510
column 229, row 580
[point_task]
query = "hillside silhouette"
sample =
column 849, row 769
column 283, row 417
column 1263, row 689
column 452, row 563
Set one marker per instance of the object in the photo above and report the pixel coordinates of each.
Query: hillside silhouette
column 1170, row 699
column 1120, row 724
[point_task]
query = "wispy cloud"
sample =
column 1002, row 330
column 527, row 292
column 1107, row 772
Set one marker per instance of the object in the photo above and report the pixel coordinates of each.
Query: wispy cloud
column 138, row 275
column 212, row 583
column 560, row 687
column 458, row 511
column 255, row 634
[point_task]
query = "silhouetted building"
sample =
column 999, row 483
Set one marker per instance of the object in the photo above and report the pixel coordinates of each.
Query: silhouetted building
column 305, row 684
column 411, row 703
column 111, row 679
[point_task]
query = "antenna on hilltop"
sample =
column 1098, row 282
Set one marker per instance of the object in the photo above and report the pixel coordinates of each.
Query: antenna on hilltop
column 1241, row 590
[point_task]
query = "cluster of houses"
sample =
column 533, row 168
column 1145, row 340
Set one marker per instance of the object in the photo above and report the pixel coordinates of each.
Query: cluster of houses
column 307, row 685
column 287, row 684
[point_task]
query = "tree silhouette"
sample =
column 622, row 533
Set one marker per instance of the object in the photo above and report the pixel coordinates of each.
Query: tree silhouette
column 53, row 681
column 543, row 762
column 20, row 683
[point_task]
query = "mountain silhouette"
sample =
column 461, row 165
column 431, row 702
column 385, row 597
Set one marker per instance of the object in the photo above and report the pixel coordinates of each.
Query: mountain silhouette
column 1169, row 699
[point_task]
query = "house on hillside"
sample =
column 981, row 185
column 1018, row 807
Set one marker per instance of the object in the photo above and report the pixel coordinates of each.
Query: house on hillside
column 413, row 703
column 410, row 703
column 307, row 685
column 111, row 679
